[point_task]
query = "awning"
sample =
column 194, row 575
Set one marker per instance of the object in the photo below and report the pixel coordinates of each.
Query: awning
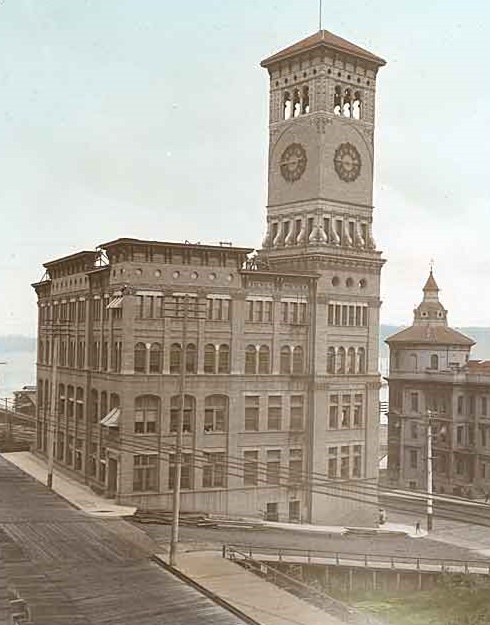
column 111, row 420
column 116, row 302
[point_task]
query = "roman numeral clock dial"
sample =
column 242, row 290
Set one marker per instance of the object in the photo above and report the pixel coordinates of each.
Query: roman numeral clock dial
column 347, row 162
column 293, row 162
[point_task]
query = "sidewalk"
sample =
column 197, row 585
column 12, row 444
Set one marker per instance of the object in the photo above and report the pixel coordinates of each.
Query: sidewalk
column 79, row 495
column 260, row 600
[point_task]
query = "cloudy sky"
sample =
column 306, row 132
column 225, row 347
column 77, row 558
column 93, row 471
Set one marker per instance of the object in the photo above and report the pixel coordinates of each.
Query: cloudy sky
column 148, row 118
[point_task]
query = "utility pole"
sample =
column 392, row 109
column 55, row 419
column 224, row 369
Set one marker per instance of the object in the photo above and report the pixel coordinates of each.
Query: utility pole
column 52, row 411
column 174, row 539
column 430, row 502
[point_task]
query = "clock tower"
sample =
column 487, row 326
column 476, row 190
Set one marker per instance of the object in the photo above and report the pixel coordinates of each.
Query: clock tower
column 319, row 219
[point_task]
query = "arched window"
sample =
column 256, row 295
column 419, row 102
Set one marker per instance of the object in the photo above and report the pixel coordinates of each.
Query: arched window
column 155, row 358
column 434, row 361
column 115, row 401
column 341, row 360
column 224, row 359
column 140, row 358
column 264, row 359
column 298, row 360
column 347, row 104
column 216, row 413
column 251, row 359
column 191, row 358
column 296, row 103
column 79, row 403
column 103, row 404
column 413, row 362
column 337, row 100
column 189, row 415
column 70, row 405
column 62, row 353
column 61, row 400
column 209, row 358
column 351, row 360
column 94, row 406
column 305, row 104
column 361, row 358
column 285, row 360
column 146, row 414
column 287, row 106
column 356, row 105
column 175, row 362
column 331, row 360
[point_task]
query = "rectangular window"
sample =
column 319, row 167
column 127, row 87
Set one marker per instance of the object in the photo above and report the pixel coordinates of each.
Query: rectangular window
column 483, row 436
column 214, row 470
column 414, row 430
column 345, row 421
column 333, row 412
column 331, row 314
column 284, row 312
column 250, row 310
column 344, row 462
column 357, row 461
column 460, row 405
column 352, row 315
column 364, row 315
column 268, row 311
column 484, row 407
column 471, row 405
column 414, row 402
column 344, row 314
column 272, row 511
column 258, row 310
column 186, row 472
column 274, row 412
column 358, row 315
column 357, row 420
column 413, row 459
column 294, row 511
column 273, row 466
column 338, row 314
column 459, row 434
column 250, row 468
column 332, row 463
column 295, row 466
column 252, row 403
column 296, row 419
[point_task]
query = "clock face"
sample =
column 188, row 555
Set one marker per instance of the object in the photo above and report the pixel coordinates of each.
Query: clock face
column 347, row 162
column 293, row 162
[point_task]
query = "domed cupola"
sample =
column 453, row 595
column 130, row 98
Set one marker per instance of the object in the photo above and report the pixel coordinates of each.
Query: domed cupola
column 430, row 311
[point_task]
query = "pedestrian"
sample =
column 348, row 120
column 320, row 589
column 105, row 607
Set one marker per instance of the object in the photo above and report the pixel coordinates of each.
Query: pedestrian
column 382, row 516
column 417, row 527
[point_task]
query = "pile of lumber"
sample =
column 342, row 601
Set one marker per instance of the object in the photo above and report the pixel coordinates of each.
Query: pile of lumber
column 164, row 517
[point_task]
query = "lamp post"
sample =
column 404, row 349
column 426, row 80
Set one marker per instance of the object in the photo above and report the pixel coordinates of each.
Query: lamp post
column 174, row 538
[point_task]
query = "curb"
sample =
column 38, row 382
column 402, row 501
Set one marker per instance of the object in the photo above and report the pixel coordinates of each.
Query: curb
column 158, row 560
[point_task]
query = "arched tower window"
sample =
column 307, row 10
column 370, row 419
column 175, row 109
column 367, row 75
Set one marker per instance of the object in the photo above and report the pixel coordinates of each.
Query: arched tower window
column 188, row 416
column 434, row 361
column 331, row 360
column 413, row 362
column 305, row 102
column 357, row 105
column 287, row 105
column 347, row 103
column 337, row 101
column 296, row 103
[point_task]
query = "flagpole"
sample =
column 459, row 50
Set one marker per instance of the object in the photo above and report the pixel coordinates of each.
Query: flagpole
column 319, row 15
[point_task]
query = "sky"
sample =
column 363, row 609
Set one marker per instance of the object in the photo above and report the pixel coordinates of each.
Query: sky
column 148, row 119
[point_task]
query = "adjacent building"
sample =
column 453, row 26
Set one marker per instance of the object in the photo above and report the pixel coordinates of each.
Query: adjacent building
column 273, row 355
column 433, row 378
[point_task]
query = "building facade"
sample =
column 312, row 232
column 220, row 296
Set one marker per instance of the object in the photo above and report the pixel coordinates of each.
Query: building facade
column 433, row 378
column 273, row 355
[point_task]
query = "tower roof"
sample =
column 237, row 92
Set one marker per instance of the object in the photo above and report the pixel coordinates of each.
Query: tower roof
column 431, row 284
column 323, row 38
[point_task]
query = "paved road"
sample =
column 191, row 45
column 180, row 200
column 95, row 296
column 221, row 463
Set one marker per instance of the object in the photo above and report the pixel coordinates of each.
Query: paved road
column 72, row 569
column 413, row 547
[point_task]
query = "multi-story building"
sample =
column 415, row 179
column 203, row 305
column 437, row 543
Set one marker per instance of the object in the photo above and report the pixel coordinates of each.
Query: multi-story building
column 432, row 378
column 276, row 357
